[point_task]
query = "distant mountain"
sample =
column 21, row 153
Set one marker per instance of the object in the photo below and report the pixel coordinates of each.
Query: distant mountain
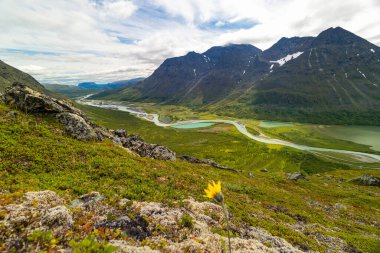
column 9, row 75
column 117, row 84
column 86, row 88
column 331, row 78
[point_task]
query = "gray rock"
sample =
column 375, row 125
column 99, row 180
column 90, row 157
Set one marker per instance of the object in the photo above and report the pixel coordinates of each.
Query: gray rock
column 367, row 180
column 340, row 206
column 86, row 200
column 120, row 133
column 136, row 227
column 58, row 216
column 296, row 176
column 138, row 145
column 77, row 126
column 192, row 159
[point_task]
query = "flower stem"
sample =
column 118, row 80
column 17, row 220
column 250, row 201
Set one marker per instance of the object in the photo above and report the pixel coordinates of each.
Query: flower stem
column 228, row 226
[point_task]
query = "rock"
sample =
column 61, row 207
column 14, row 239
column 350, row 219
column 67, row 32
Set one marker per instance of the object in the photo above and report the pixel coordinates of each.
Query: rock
column 296, row 176
column 120, row 133
column 77, row 126
column 138, row 145
column 123, row 202
column 340, row 206
column 264, row 170
column 36, row 211
column 367, row 180
column 87, row 200
column 136, row 227
column 192, row 159
column 58, row 216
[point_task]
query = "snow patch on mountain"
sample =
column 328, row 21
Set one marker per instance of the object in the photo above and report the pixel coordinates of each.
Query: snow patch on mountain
column 372, row 50
column 287, row 58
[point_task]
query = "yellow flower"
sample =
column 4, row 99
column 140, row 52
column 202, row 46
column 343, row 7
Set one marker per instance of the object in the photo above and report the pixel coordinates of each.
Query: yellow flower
column 214, row 191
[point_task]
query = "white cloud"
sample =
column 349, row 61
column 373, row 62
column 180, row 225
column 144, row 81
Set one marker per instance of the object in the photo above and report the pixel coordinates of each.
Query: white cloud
column 107, row 40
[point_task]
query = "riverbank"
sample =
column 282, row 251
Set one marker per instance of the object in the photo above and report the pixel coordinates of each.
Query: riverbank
column 358, row 156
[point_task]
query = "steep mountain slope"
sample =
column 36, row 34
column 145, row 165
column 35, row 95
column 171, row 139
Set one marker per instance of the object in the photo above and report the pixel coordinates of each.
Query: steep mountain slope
column 9, row 75
column 338, row 73
column 197, row 78
column 331, row 78
column 287, row 46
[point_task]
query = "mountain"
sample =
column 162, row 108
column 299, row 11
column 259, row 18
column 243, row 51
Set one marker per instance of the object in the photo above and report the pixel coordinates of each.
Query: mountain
column 9, row 75
column 117, row 84
column 86, row 88
column 331, row 78
column 337, row 75
column 197, row 78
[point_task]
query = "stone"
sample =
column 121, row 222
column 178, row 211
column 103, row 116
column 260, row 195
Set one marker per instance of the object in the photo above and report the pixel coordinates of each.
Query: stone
column 296, row 176
column 87, row 200
column 264, row 170
column 138, row 145
column 192, row 159
column 58, row 216
column 136, row 227
column 77, row 126
column 367, row 180
column 120, row 133
column 340, row 206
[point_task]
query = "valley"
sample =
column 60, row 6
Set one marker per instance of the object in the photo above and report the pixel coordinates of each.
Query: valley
column 343, row 155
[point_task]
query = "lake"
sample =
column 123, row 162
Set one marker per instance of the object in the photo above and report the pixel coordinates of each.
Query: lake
column 367, row 135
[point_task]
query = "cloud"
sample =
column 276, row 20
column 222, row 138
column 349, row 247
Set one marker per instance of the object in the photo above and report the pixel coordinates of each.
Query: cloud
column 106, row 40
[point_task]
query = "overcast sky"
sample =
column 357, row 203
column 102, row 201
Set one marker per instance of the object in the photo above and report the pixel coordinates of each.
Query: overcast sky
column 69, row 41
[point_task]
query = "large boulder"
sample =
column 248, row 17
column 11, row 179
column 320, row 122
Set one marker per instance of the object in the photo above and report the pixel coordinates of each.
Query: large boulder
column 77, row 126
column 367, row 180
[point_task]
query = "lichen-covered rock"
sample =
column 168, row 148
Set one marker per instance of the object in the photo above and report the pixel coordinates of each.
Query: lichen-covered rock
column 87, row 200
column 42, row 211
column 57, row 217
column 77, row 126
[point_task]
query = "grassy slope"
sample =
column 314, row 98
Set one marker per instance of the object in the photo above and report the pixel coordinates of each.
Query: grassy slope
column 9, row 75
column 36, row 154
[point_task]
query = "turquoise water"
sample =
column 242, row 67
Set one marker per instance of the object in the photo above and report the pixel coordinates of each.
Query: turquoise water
column 274, row 124
column 193, row 125
column 367, row 135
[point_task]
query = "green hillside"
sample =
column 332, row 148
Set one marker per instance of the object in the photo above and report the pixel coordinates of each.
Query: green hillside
column 9, row 75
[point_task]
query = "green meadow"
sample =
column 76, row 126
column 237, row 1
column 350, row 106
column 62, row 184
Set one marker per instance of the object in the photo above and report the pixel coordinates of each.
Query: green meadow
column 36, row 154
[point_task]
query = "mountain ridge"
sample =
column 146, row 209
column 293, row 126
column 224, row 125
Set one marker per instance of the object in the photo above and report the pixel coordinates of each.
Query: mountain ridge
column 332, row 74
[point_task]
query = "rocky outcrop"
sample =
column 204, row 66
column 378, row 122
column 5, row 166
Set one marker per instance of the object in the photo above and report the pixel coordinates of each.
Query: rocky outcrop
column 138, row 145
column 77, row 124
column 37, row 211
column 140, row 224
column 367, row 180
column 192, row 159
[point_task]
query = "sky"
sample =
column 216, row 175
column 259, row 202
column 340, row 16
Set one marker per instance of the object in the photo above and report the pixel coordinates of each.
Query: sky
column 71, row 41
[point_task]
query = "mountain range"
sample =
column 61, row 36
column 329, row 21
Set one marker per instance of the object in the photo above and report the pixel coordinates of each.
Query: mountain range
column 331, row 78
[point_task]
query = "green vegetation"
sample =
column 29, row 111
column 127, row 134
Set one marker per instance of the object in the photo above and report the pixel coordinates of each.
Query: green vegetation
column 9, row 75
column 36, row 154
column 186, row 221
